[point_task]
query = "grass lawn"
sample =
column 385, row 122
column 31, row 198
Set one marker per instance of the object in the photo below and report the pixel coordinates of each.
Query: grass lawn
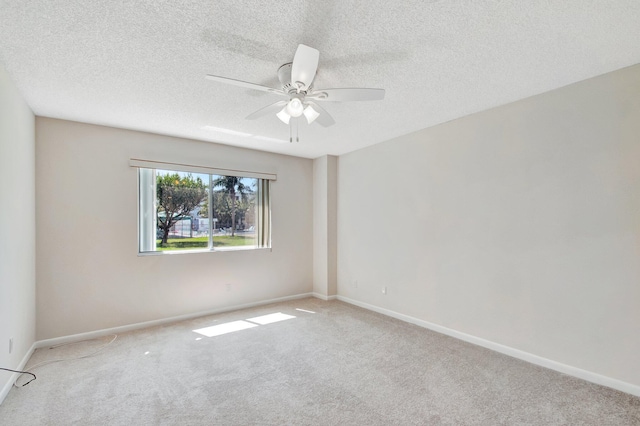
column 201, row 242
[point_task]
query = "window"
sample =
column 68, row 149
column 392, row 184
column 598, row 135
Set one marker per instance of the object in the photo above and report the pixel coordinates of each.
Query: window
column 187, row 210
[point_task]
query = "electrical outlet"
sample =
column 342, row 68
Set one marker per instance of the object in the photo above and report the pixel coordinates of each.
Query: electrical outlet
column 355, row 283
column 384, row 290
column 10, row 344
column 228, row 287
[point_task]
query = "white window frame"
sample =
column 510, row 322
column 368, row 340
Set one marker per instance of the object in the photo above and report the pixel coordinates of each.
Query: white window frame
column 147, row 226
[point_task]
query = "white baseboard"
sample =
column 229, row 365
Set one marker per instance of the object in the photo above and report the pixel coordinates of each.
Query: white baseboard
column 516, row 353
column 122, row 329
column 323, row 297
column 7, row 386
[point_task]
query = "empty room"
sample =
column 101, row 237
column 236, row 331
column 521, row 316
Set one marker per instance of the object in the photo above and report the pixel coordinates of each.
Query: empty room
column 320, row 212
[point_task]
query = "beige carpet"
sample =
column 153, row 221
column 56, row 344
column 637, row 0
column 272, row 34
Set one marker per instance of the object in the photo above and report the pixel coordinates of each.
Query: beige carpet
column 341, row 365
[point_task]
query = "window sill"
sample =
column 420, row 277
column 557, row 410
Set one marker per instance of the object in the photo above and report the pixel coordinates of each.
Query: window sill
column 172, row 252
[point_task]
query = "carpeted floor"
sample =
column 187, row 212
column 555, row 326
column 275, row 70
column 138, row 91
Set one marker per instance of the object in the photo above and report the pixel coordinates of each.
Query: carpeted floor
column 333, row 364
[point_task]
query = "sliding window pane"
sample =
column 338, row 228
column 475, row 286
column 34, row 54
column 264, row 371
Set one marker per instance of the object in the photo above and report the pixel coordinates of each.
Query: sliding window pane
column 234, row 211
column 182, row 217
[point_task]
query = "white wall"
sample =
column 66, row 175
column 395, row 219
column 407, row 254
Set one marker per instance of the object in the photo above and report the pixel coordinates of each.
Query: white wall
column 90, row 276
column 17, row 229
column 519, row 225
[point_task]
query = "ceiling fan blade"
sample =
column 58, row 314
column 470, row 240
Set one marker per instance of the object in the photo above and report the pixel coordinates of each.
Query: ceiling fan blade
column 347, row 95
column 269, row 109
column 324, row 119
column 245, row 84
column 305, row 65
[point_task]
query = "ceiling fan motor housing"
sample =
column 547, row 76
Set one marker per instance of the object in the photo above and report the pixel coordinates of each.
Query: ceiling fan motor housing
column 284, row 76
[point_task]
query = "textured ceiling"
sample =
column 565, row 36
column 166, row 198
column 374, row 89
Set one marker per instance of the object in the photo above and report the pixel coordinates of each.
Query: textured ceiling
column 141, row 65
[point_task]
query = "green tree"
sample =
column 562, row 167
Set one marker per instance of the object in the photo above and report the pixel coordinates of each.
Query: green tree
column 176, row 197
column 232, row 185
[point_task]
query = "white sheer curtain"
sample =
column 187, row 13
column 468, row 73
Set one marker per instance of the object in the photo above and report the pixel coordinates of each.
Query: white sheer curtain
column 147, row 209
column 264, row 213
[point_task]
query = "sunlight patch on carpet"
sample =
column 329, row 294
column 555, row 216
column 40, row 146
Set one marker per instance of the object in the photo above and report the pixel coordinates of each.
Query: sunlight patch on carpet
column 271, row 318
column 230, row 327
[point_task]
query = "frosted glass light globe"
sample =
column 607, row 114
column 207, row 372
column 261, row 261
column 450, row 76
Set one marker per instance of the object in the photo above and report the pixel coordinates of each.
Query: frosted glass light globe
column 295, row 107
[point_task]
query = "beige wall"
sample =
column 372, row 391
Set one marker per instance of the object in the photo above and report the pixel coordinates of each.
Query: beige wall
column 17, row 229
column 325, row 226
column 90, row 276
column 519, row 225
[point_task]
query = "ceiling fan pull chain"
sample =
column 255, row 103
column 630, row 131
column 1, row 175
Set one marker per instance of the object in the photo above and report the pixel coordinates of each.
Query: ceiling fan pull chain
column 297, row 131
column 290, row 132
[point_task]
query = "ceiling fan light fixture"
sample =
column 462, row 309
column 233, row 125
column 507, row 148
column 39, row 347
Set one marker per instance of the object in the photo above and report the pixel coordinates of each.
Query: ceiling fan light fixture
column 283, row 115
column 295, row 107
column 311, row 114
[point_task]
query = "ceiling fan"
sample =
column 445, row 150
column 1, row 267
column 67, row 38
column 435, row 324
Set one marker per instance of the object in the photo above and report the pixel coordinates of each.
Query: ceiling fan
column 301, row 97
